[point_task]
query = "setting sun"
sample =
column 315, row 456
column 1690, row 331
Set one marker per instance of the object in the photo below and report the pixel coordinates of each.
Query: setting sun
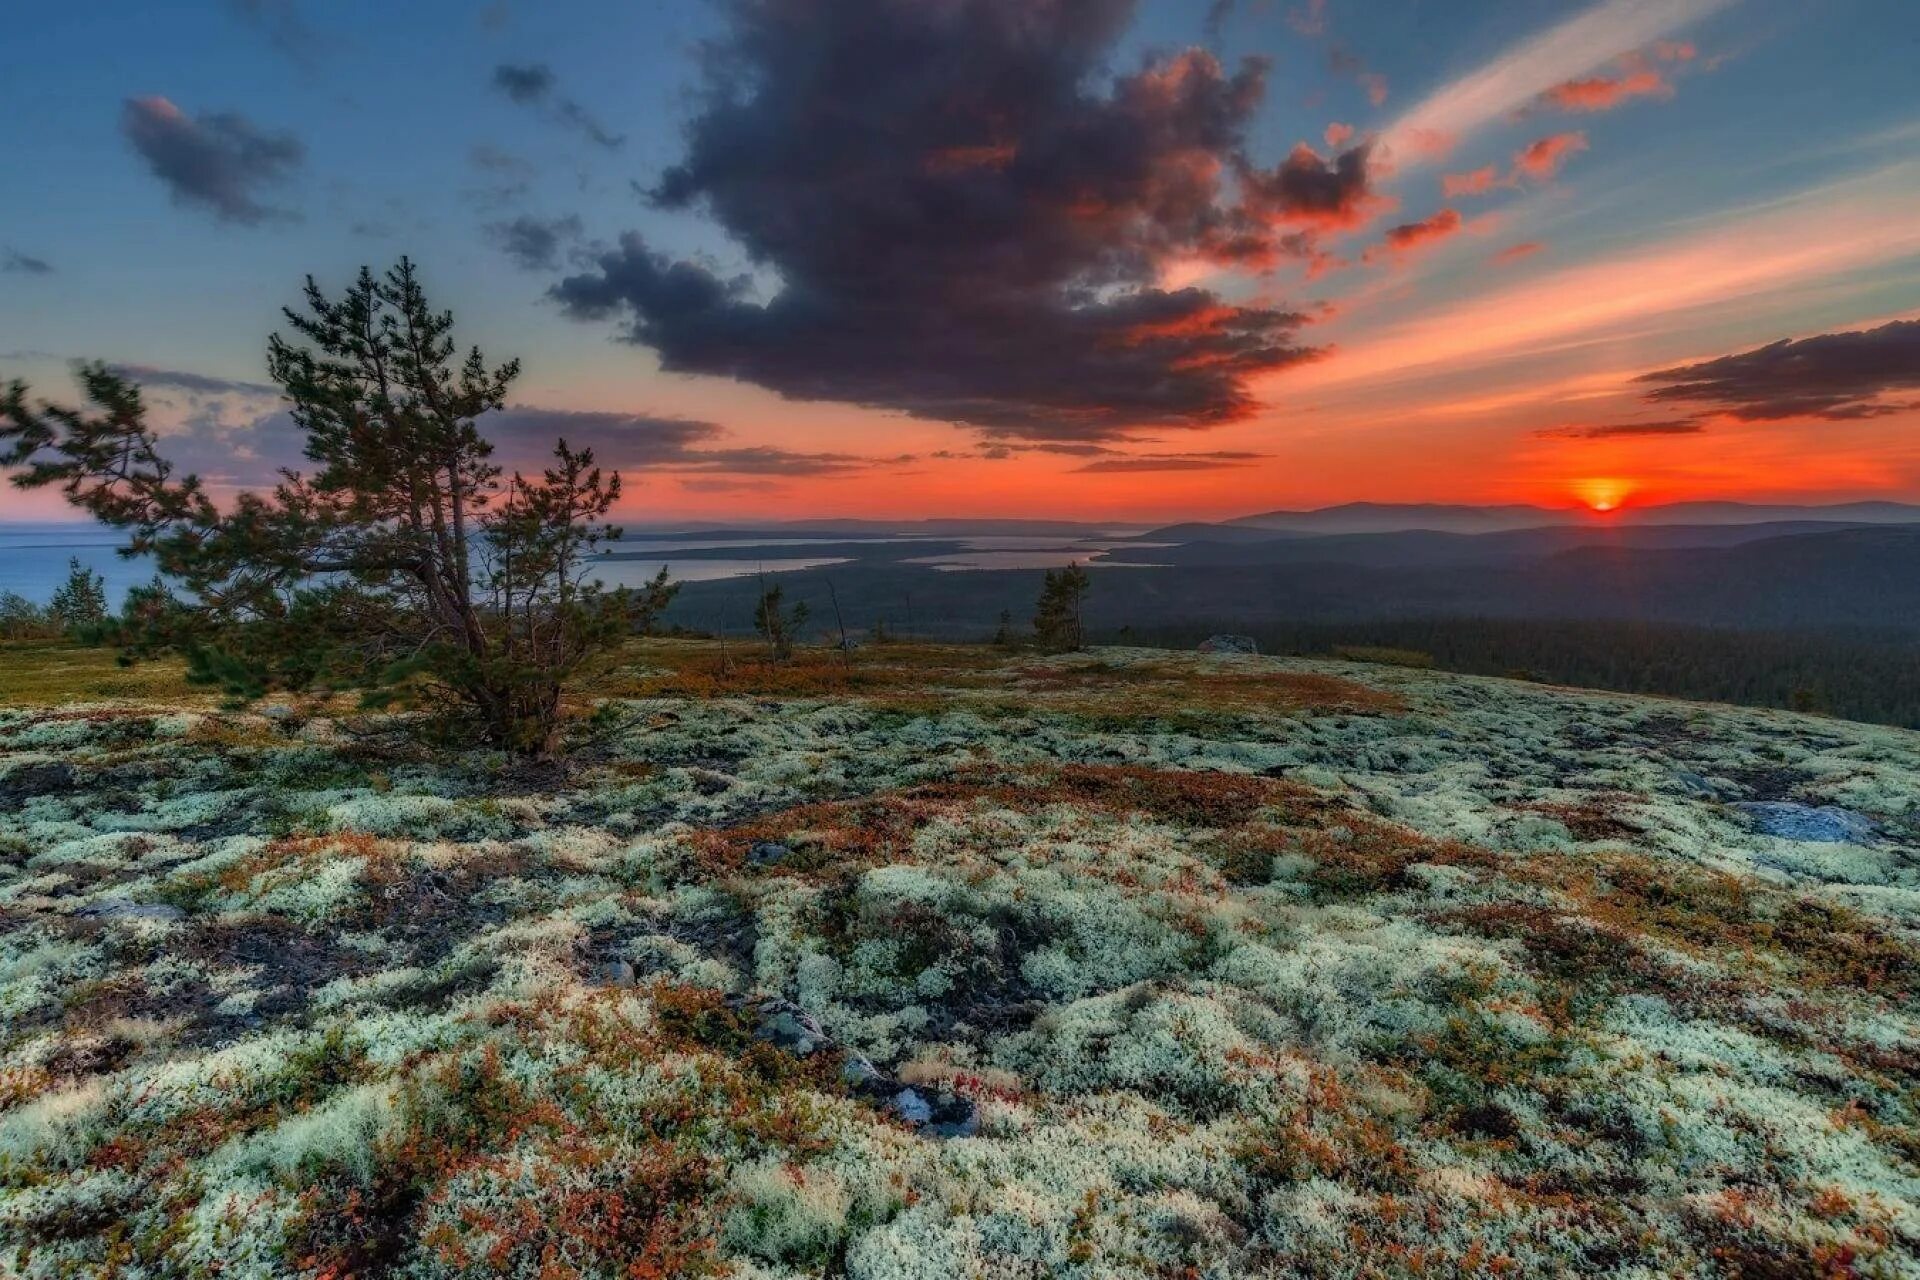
column 1603, row 494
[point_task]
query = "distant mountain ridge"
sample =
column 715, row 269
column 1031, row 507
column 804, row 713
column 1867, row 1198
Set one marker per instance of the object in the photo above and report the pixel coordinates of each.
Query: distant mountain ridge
column 1235, row 544
column 1381, row 517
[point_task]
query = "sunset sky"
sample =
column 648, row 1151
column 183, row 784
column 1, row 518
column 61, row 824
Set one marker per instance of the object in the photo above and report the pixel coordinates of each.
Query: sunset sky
column 1076, row 258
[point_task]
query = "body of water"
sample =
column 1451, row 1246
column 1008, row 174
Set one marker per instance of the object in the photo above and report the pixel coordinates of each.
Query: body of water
column 1028, row 553
column 33, row 557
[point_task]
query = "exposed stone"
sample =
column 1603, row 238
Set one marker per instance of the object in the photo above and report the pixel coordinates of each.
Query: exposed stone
column 939, row 1117
column 1822, row 824
column 615, row 973
column 1229, row 644
column 858, row 1073
column 911, row 1107
column 789, row 1027
column 766, row 853
column 125, row 909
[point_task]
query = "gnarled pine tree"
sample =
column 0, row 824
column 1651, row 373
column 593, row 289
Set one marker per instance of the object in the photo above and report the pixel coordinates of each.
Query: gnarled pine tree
column 397, row 565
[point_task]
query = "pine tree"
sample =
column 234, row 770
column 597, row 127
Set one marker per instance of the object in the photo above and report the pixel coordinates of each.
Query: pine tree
column 1057, row 616
column 778, row 626
column 81, row 601
column 397, row 564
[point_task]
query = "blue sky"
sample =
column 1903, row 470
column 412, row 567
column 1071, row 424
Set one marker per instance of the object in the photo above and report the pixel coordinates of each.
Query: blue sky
column 1736, row 130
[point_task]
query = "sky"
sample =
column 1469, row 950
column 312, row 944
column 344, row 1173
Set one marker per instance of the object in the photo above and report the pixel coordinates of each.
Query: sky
column 1088, row 259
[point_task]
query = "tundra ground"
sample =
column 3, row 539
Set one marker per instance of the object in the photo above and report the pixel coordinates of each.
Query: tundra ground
column 951, row 963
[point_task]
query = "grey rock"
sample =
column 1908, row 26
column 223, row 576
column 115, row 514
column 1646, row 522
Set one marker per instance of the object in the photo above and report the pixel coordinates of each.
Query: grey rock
column 858, row 1073
column 277, row 711
column 789, row 1028
column 126, row 909
column 942, row 1117
column 1229, row 644
column 766, row 853
column 615, row 973
column 911, row 1107
column 1819, row 824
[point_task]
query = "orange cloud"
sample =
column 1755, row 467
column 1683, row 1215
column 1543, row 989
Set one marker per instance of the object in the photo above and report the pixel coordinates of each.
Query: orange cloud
column 1637, row 78
column 1604, row 93
column 1582, row 45
column 1338, row 135
column 1477, row 183
column 1541, row 159
column 1411, row 236
column 1822, row 234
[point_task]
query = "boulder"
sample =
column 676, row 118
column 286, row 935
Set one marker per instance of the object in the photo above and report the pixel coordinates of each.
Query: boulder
column 910, row 1106
column 125, row 909
column 789, row 1027
column 1820, row 824
column 1229, row 644
column 944, row 1116
column 615, row 973
column 766, row 853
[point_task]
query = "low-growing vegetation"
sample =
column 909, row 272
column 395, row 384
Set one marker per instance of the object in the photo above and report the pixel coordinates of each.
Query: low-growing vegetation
column 920, row 962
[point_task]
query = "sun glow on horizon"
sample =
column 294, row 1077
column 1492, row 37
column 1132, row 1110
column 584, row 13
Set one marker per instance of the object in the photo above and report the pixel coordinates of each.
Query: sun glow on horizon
column 1603, row 494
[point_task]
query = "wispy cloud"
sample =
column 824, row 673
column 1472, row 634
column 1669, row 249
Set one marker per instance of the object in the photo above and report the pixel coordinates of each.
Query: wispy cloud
column 1617, row 430
column 18, row 263
column 1211, row 460
column 1817, row 235
column 532, row 85
column 1517, row 77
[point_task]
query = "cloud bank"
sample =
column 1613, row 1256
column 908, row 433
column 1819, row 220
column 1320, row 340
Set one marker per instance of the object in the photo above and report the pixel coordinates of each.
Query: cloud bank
column 1833, row 376
column 953, row 212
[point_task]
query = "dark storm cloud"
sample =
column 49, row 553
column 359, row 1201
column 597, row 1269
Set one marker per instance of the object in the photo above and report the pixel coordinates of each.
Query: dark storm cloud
column 958, row 216
column 24, row 264
column 216, row 161
column 534, row 244
column 1836, row 376
column 1333, row 192
column 532, row 85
